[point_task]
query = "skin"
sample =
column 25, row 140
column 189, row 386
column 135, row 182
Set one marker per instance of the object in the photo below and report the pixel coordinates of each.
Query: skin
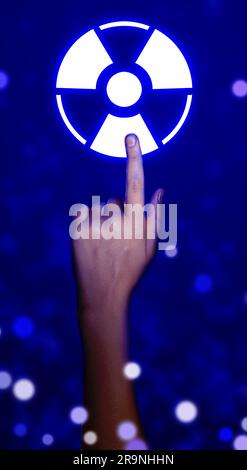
column 106, row 274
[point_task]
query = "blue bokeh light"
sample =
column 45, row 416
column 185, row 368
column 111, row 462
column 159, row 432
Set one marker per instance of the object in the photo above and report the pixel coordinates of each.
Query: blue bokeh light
column 225, row 434
column 203, row 283
column 23, row 327
column 4, row 80
column 20, row 429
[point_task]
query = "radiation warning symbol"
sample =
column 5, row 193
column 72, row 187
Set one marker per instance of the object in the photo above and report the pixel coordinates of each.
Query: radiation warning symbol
column 120, row 78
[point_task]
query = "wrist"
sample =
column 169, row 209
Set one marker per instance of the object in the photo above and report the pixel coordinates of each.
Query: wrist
column 103, row 317
column 104, row 336
column 104, row 306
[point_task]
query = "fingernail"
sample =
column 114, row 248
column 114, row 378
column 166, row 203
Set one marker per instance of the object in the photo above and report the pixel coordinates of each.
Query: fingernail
column 160, row 196
column 131, row 140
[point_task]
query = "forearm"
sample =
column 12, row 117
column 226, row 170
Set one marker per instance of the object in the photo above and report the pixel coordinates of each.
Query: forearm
column 109, row 395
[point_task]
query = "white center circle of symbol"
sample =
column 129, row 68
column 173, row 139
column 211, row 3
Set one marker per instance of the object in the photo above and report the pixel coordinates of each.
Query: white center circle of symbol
column 124, row 89
column 84, row 63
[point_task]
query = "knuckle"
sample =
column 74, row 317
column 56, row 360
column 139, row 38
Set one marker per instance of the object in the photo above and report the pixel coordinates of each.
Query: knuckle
column 133, row 153
column 136, row 185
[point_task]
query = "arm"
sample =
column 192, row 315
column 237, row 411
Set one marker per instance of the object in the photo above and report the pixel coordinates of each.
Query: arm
column 108, row 394
column 106, row 272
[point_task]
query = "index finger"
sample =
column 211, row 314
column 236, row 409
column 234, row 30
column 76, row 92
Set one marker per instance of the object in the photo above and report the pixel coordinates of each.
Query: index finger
column 135, row 173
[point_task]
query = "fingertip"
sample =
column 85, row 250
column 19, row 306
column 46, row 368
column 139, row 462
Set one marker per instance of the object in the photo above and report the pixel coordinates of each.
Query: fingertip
column 160, row 195
column 131, row 140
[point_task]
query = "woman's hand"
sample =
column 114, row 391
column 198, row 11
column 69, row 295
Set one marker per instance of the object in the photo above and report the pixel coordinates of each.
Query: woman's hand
column 106, row 271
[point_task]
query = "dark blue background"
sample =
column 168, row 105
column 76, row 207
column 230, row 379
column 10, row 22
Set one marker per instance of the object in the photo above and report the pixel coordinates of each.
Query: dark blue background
column 188, row 324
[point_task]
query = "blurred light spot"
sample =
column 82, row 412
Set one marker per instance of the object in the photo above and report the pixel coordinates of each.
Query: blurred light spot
column 186, row 411
column 172, row 252
column 239, row 88
column 4, row 80
column 203, row 283
column 132, row 370
column 126, row 430
column 5, row 380
column 23, row 327
column 136, row 444
column 24, row 389
column 0, row 331
column 225, row 434
column 20, row 429
column 240, row 442
column 79, row 415
column 244, row 424
column 90, row 438
column 245, row 298
column 47, row 439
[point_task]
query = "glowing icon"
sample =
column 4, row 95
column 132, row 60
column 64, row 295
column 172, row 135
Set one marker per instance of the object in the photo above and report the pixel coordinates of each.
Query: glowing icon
column 145, row 88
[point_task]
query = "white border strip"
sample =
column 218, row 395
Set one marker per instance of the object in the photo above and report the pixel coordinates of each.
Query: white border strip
column 181, row 122
column 66, row 121
column 124, row 23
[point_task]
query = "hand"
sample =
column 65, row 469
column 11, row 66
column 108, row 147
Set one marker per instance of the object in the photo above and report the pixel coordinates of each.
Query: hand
column 108, row 270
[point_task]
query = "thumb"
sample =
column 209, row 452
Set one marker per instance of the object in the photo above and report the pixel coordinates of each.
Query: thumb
column 153, row 220
column 157, row 197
